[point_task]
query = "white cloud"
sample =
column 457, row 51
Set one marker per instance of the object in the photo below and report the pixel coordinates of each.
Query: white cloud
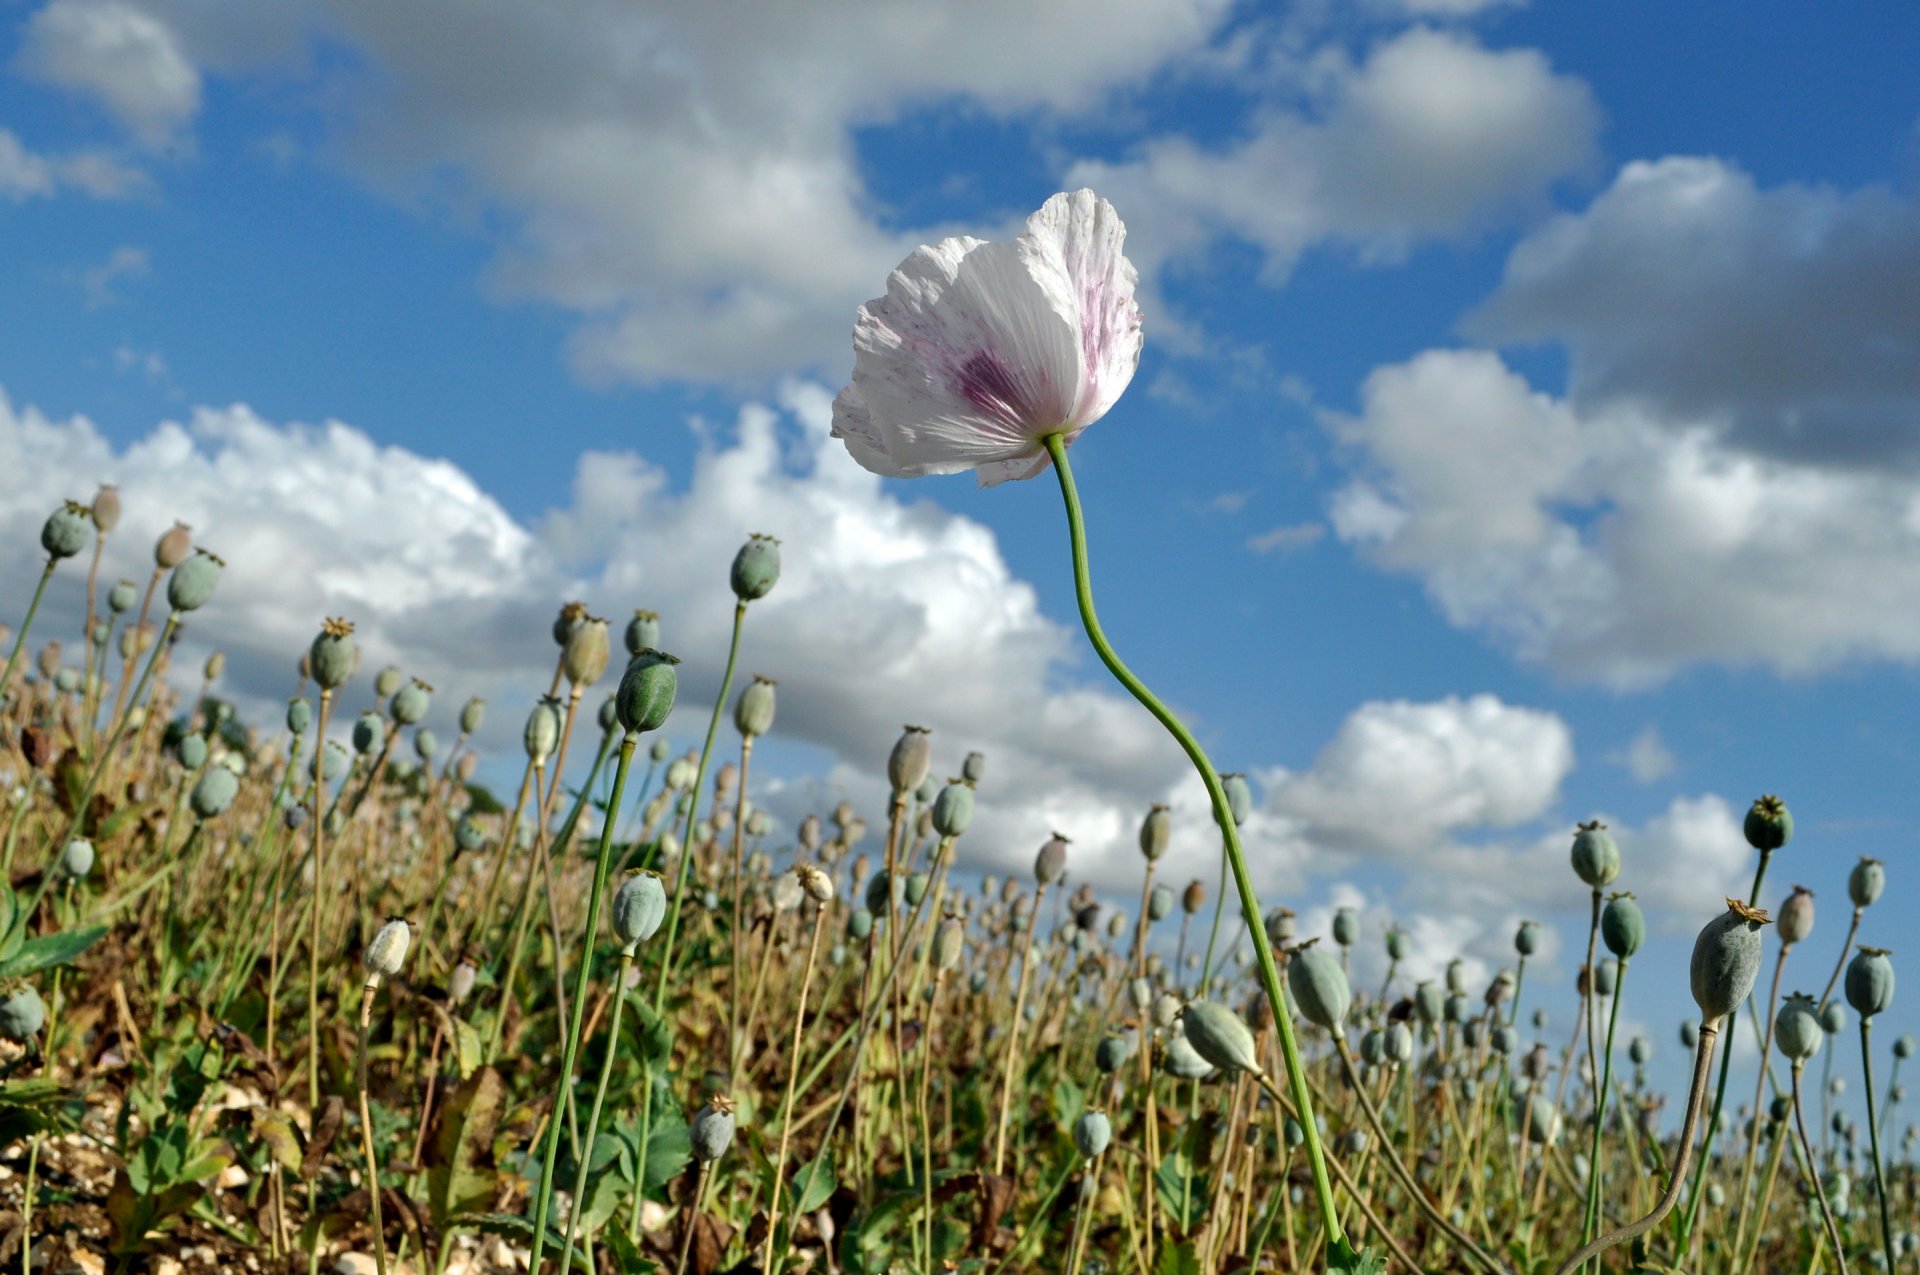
column 121, row 55
column 1287, row 538
column 1647, row 758
column 27, row 174
column 1619, row 546
column 1432, row 135
column 123, row 263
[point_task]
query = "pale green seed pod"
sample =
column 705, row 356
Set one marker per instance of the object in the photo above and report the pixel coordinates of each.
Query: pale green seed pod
column 334, row 761
column 1769, row 824
column 1502, row 1039
column 1346, row 927
column 542, row 734
column 753, row 711
column 1429, row 1002
column 974, row 768
column 1166, row 1010
column 411, row 702
column 1543, row 1121
column 1473, row 1031
column 1622, row 926
column 299, row 715
column 1640, row 1050
column 1726, row 960
column 368, row 730
column 1866, row 881
column 1596, row 859
column 1156, row 832
column 1319, row 987
column 1869, row 982
column 22, row 1013
column 917, row 888
column 1904, row 1046
column 1239, row 798
column 1218, row 1035
column 76, row 859
column 67, row 530
column 1278, row 924
column 949, row 943
column 657, row 751
column 472, row 715
column 1159, row 903
column 639, row 905
column 1184, row 1061
column 214, row 792
column 1396, row 945
column 1091, row 1133
column 122, row 596
column 1833, row 1018
column 468, row 834
column 756, row 568
column 387, row 680
column 1796, row 1028
column 191, row 749
column 1689, row 1033
column 1526, row 939
column 860, row 924
column 953, row 809
column 1373, row 1047
column 1400, row 1043
column 910, row 760
column 584, row 658
column 712, row 1130
column 1606, row 978
column 387, row 950
column 332, row 657
column 192, row 583
column 1113, row 1053
column 1457, row 1008
column 1051, row 863
column 570, row 617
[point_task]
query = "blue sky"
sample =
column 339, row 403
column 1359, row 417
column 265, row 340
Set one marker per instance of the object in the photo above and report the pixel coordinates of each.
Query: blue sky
column 1525, row 429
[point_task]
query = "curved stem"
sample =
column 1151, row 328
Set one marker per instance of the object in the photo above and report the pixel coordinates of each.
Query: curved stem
column 1222, row 813
column 1812, row 1167
column 1873, row 1133
column 1846, row 946
column 1676, row 1180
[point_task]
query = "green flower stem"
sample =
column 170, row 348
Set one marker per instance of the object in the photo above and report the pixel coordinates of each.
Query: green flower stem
column 1249, row 904
column 1811, row 1167
column 366, row 1123
column 693, row 812
column 593, row 1114
column 1719, row 1095
column 543, row 1196
column 1600, row 1110
column 1873, row 1133
column 1040, row 1214
column 20, row 640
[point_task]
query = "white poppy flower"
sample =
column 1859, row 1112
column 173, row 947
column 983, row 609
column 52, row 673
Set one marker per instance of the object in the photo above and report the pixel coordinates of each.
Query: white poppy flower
column 981, row 350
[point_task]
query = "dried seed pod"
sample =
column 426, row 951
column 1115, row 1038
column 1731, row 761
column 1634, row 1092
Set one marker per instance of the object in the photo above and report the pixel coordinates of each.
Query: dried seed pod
column 1796, row 916
column 388, row 949
column 173, row 546
column 1726, row 960
column 1596, row 859
column 584, row 658
column 1051, row 863
column 1278, row 924
column 106, row 507
column 1156, row 832
column 908, row 764
column 461, row 982
column 1194, row 897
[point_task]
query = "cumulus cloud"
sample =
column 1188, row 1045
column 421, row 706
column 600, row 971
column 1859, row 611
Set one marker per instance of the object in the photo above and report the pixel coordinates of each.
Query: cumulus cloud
column 121, row 55
column 1432, row 135
column 1647, row 758
column 1287, row 537
column 26, row 174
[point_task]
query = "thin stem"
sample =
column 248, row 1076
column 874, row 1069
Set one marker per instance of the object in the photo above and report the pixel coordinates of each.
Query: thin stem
column 1600, row 1108
column 371, row 990
column 769, row 1262
column 585, row 1155
column 1812, row 1168
column 1236, row 858
column 319, row 891
column 1873, row 1133
column 20, row 639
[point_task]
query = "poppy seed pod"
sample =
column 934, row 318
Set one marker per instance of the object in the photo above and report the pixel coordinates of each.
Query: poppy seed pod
column 1456, row 1008
column 1113, row 1053
column 1346, row 927
column 1866, row 881
column 647, row 691
column 643, row 633
column 860, row 924
column 215, row 666
column 1689, row 1033
column 1769, row 824
column 215, row 791
column 1526, row 939
column 331, row 657
column 368, row 731
column 584, row 659
column 1726, row 959
column 974, row 768
column 1870, row 982
column 1472, row 1032
column 1543, row 1121
column 1796, row 915
column 1091, row 1133
column 910, row 760
column 1606, row 978
column 609, row 715
column 1396, row 945
column 191, row 750
column 1796, row 1028
column 542, row 733
column 1239, row 797
column 1622, row 927
column 121, row 597
column 299, row 715
column 753, row 711
column 1051, row 863
column 1903, row 1046
column 472, row 714
column 1194, row 897
column 571, row 614
column 1278, row 924
column 712, row 1130
column 929, row 789
column 953, row 809
column 460, row 982
column 949, row 942
column 917, row 888
column 1640, row 1051
column 1400, row 1043
column 387, row 950
column 193, row 581
column 1218, row 1035
column 387, row 681
column 173, row 546
column 76, row 860
column 817, row 884
column 1429, row 1002
column 1181, row 1059
column 1503, row 1039
column 1596, row 859
column 468, row 835
column 1159, row 903
column 66, row 530
column 756, row 568
column 333, row 761
column 22, row 1013
column 1156, row 832
column 639, row 905
column 410, row 703
column 1319, row 987
column 106, row 507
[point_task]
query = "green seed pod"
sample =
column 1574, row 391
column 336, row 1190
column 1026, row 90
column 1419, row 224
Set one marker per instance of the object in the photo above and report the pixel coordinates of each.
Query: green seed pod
column 388, row 949
column 1769, row 824
column 1113, row 1053
column 121, row 597
column 917, row 888
column 1319, row 987
column 368, row 730
column 1543, row 1121
column 974, row 768
column 1473, row 1031
column 472, row 714
column 860, row 924
column 191, row 750
column 1353, row 1143
column 1346, row 927
column 1429, row 1002
column 1606, row 978
column 215, row 791
column 1051, row 863
column 1373, row 1047
column 1456, row 1009
column 1159, row 903
column 1780, row 1108
column 1596, row 859
column 949, row 943
column 572, row 614
column 953, row 809
column 1622, row 927
column 1239, row 798
column 1156, row 832
column 929, row 789
column 639, row 905
column 584, row 658
column 1689, row 1033
column 332, row 656
column 1903, row 1046
column 753, row 711
column 22, row 1013
column 1526, row 939
column 1502, row 1039
column 1091, row 1133
column 76, row 860
column 1726, row 959
column 1400, row 1043
column 1796, row 916
column 1181, row 1059
column 1866, row 881
column 193, row 581
column 1640, row 1051
column 1396, row 945
column 647, row 692
column 1218, row 1035
column 67, row 531
column 1833, row 1018
column 410, row 703
column 910, row 760
column 712, row 1130
column 643, row 633
column 299, row 715
column 756, row 568
column 1796, row 1028
column 387, row 681
column 609, row 715
column 1870, row 982
column 468, row 834
column 542, row 734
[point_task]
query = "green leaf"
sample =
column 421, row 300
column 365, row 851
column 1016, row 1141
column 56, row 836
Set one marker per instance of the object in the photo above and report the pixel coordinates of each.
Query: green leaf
column 1170, row 1182
column 469, row 1051
column 460, row 1174
column 1069, row 1100
column 813, row 1184
column 626, row 1254
column 1344, row 1259
column 1177, row 1259
column 669, row 1147
column 511, row 1226
column 50, row 950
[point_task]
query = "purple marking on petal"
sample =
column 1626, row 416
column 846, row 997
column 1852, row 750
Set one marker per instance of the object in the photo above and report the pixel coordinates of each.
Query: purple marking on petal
column 986, row 382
